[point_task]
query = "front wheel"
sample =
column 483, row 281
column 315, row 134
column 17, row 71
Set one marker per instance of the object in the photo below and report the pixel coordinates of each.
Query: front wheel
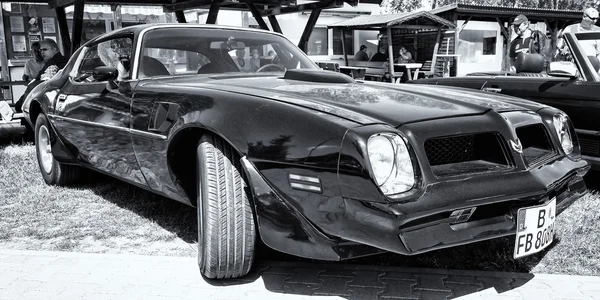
column 54, row 172
column 226, row 230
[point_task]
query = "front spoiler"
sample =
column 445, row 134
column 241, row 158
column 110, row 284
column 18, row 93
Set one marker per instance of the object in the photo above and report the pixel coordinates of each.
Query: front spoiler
column 366, row 229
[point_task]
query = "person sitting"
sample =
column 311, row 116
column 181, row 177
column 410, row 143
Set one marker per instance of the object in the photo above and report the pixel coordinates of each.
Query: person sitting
column 54, row 60
column 361, row 55
column 254, row 62
column 35, row 64
column 404, row 56
column 240, row 61
column 380, row 55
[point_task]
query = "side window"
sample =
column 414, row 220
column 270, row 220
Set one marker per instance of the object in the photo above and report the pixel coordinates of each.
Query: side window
column 162, row 61
column 115, row 53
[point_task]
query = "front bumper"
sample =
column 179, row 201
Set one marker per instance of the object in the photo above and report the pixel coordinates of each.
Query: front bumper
column 431, row 229
column 330, row 227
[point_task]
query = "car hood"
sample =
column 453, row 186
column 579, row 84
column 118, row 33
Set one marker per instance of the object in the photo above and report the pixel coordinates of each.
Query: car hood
column 395, row 104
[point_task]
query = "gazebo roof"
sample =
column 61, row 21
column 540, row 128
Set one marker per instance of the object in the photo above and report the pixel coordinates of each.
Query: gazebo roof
column 416, row 19
column 479, row 11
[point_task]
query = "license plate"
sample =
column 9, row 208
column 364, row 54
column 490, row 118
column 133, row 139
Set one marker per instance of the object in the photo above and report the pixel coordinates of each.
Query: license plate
column 535, row 229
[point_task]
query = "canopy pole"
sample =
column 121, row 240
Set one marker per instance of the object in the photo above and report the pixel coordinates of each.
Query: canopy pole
column 310, row 25
column 180, row 16
column 275, row 23
column 344, row 50
column 257, row 16
column 4, row 56
column 63, row 29
column 77, row 25
column 117, row 16
column 390, row 52
column 213, row 12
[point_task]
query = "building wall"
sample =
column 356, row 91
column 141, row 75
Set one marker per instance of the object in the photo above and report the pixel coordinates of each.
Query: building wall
column 480, row 46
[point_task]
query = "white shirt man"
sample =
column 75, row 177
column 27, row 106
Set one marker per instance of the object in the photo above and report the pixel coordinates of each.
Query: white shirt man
column 591, row 47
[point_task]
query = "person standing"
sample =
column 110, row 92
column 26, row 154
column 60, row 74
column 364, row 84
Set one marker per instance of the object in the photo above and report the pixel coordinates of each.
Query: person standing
column 587, row 24
column 527, row 41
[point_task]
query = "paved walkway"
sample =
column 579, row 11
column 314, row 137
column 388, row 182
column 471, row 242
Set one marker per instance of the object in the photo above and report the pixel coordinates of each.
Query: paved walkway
column 65, row 275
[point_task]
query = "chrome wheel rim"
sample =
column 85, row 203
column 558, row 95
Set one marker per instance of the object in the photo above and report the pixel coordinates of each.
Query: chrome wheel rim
column 45, row 149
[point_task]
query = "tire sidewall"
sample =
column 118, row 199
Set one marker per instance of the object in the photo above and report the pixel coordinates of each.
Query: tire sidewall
column 43, row 121
column 200, row 207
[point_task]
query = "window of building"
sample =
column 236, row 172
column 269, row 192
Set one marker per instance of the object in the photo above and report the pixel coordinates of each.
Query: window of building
column 348, row 42
column 318, row 43
column 472, row 44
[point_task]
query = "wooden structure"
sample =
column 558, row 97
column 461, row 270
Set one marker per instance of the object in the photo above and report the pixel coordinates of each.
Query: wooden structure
column 398, row 30
column 555, row 20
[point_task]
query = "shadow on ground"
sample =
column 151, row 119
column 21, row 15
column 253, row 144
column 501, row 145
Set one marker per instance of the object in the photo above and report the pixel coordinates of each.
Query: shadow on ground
column 12, row 135
column 375, row 282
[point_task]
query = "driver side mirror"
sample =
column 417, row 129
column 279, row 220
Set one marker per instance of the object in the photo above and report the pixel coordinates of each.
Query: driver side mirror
column 563, row 69
column 106, row 74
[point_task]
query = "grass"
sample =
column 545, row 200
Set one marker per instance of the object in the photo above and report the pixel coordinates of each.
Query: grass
column 100, row 215
column 104, row 215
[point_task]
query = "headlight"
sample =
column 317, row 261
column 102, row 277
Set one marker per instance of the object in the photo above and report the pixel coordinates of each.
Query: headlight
column 561, row 126
column 390, row 163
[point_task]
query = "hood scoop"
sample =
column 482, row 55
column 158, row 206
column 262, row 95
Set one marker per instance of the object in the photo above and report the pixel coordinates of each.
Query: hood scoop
column 317, row 76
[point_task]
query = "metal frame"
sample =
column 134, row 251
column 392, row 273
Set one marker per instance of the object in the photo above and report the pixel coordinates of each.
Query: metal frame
column 259, row 9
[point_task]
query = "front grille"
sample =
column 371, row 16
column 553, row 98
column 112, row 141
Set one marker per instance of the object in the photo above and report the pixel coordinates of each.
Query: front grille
column 589, row 146
column 466, row 154
column 537, row 146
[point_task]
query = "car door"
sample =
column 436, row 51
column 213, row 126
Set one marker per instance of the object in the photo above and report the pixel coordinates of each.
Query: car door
column 577, row 98
column 472, row 82
column 94, row 116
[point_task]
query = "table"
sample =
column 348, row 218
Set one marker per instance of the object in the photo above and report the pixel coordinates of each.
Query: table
column 409, row 67
column 354, row 72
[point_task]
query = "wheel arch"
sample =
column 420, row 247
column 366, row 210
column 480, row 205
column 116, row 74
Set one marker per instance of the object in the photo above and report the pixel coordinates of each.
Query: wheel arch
column 182, row 159
column 35, row 108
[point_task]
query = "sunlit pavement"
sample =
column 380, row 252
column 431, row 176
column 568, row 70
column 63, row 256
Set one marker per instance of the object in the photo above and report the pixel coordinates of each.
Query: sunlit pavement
column 67, row 275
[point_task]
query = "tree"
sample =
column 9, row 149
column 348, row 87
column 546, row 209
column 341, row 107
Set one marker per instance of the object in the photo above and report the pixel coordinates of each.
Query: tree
column 548, row 4
column 400, row 6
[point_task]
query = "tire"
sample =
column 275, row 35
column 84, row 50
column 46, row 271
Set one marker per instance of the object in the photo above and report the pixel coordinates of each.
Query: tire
column 226, row 227
column 54, row 173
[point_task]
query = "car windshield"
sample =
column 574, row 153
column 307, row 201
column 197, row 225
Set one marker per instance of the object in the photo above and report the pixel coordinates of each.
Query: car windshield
column 198, row 50
column 588, row 44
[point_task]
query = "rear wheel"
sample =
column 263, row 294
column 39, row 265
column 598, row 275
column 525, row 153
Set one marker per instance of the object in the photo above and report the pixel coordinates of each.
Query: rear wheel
column 226, row 230
column 54, row 172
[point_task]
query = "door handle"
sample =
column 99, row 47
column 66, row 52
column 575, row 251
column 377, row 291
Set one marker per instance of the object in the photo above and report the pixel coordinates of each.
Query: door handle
column 491, row 89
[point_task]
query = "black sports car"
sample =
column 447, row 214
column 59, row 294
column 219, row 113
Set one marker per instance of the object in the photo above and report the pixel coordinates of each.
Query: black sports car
column 312, row 162
column 571, row 84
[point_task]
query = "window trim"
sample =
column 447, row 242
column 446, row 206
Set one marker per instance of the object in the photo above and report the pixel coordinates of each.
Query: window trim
column 75, row 70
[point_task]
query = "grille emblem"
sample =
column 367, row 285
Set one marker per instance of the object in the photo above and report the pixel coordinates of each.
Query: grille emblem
column 461, row 215
column 517, row 146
